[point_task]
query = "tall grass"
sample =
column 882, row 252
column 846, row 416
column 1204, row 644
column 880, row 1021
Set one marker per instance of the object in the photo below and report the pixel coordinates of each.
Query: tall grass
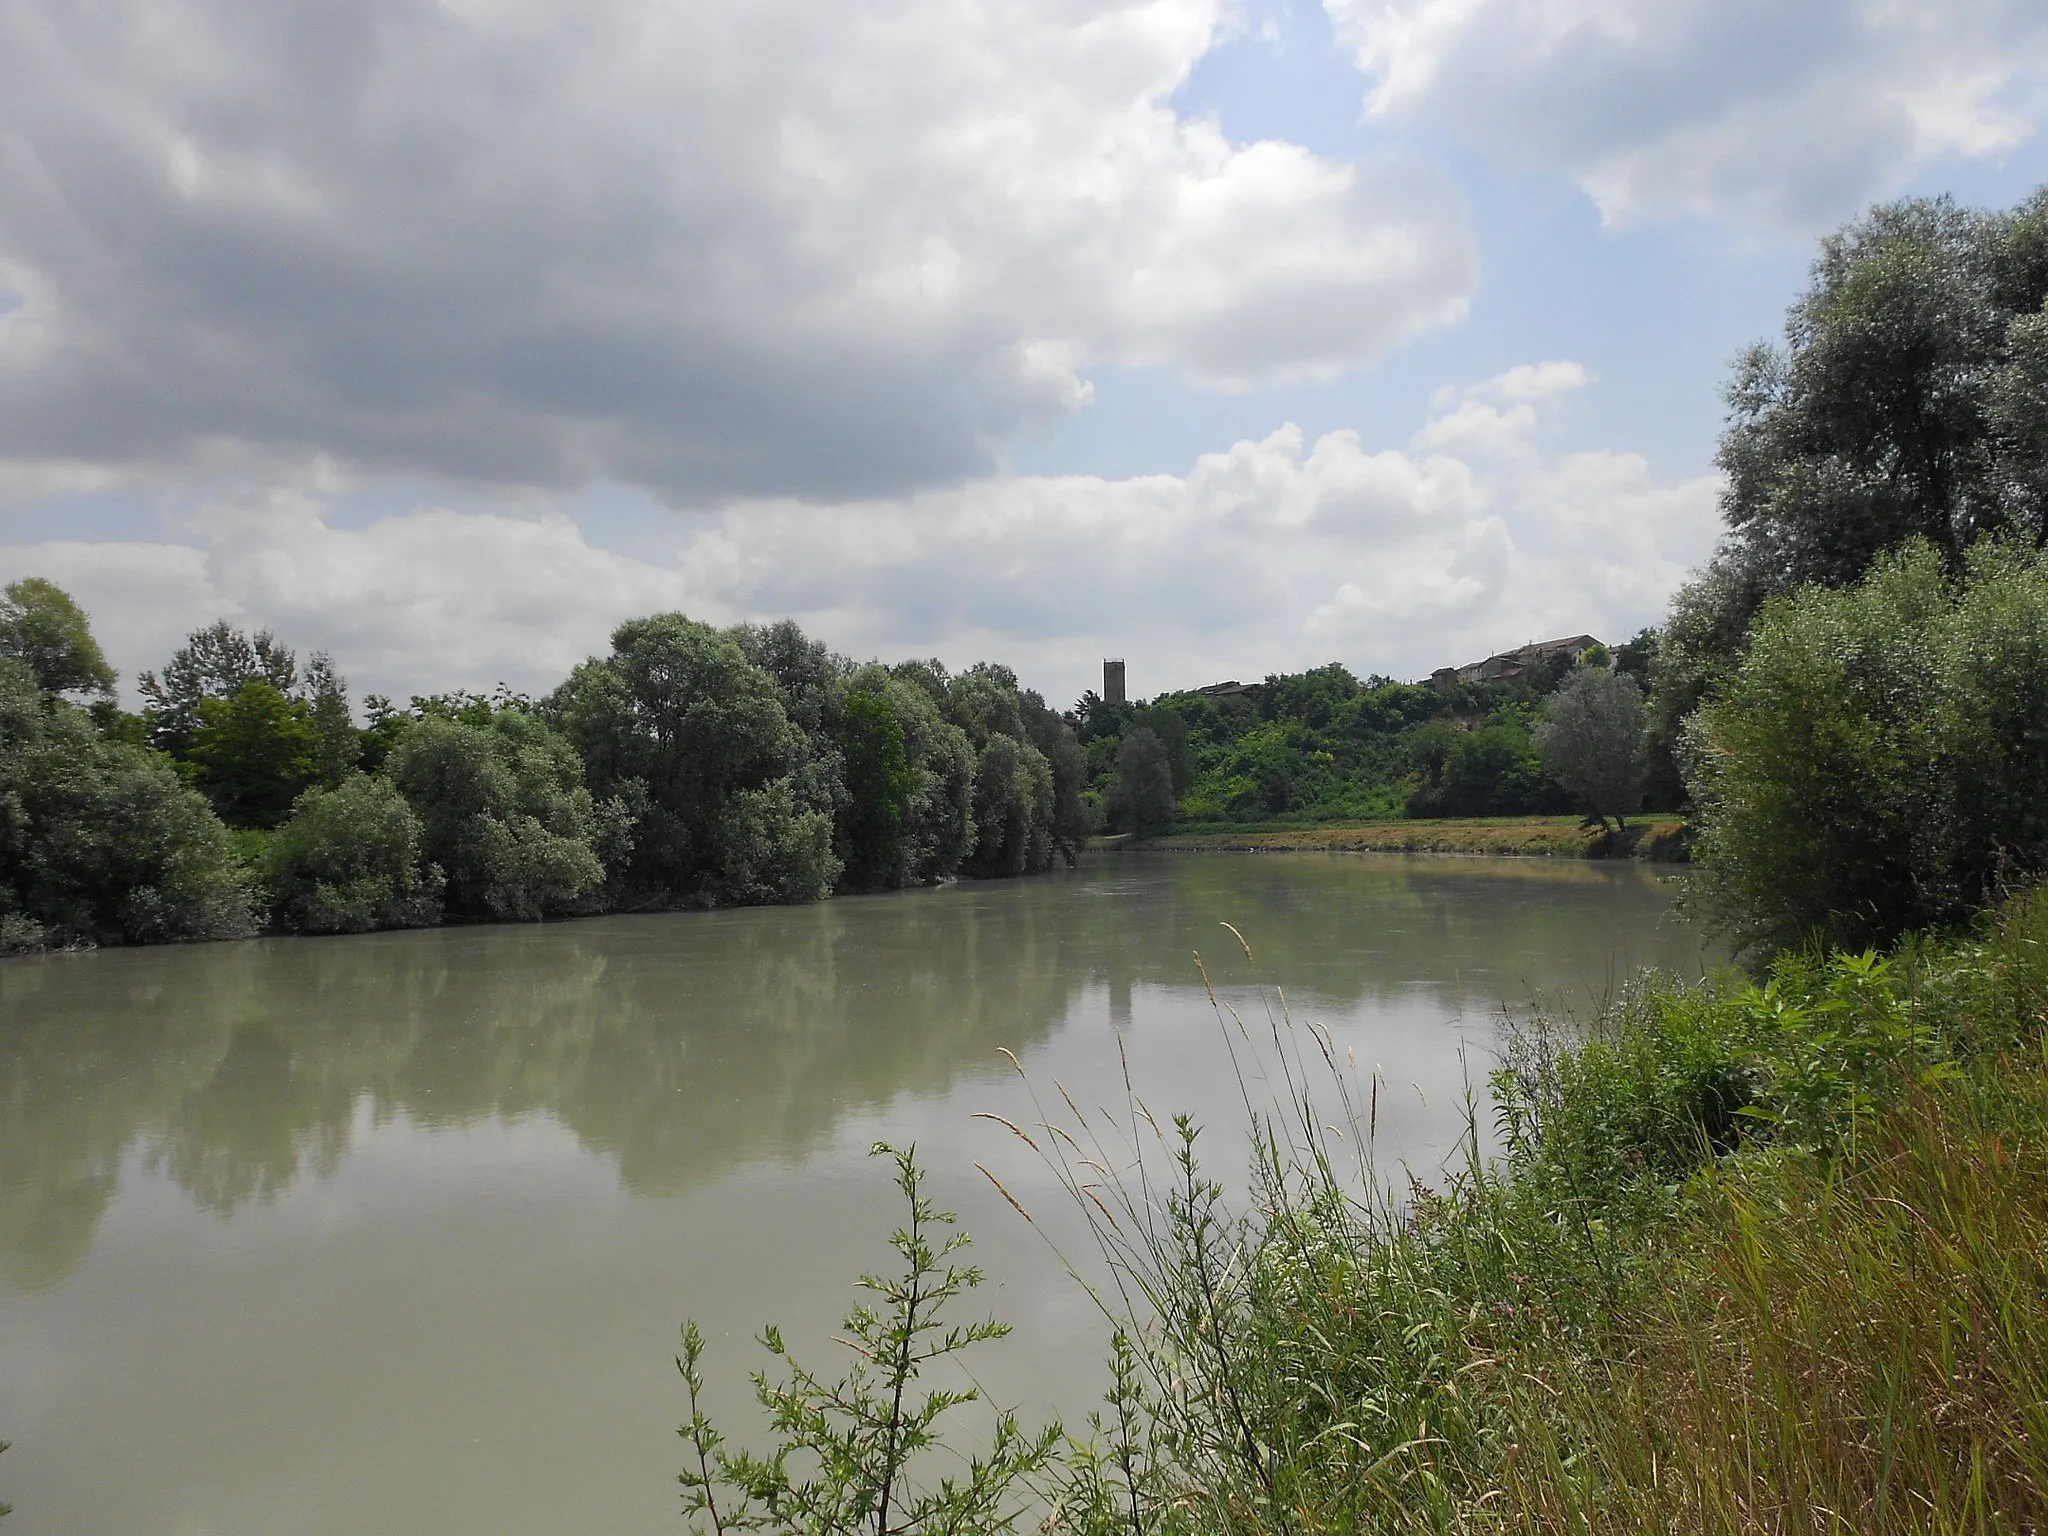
column 1754, row 1257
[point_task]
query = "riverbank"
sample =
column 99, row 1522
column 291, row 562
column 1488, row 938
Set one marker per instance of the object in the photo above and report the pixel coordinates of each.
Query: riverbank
column 1562, row 837
column 1754, row 1258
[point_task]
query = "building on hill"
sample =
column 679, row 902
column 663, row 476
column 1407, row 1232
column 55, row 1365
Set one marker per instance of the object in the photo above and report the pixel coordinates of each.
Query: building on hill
column 1230, row 690
column 1113, row 681
column 1507, row 666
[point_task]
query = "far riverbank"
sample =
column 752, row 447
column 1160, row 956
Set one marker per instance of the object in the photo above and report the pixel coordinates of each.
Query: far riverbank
column 1561, row 837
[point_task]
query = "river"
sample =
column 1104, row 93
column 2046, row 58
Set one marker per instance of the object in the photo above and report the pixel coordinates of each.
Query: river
column 395, row 1233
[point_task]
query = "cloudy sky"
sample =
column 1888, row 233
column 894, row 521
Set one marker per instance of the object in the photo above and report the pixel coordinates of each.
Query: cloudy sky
column 1227, row 338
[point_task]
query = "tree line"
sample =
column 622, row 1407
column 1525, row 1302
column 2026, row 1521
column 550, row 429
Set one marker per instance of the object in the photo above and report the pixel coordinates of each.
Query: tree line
column 691, row 766
column 1565, row 735
column 1844, row 700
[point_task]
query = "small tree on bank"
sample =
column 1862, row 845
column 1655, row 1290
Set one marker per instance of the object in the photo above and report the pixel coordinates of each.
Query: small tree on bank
column 1592, row 742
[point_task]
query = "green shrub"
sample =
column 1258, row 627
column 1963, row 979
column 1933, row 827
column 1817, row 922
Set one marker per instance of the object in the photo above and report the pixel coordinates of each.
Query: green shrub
column 851, row 1452
column 350, row 860
column 1879, row 760
column 101, row 842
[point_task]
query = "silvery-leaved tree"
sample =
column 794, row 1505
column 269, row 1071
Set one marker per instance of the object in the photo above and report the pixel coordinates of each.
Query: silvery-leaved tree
column 1591, row 742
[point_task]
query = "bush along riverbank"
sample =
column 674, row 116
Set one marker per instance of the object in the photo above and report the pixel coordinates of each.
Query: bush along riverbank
column 1755, row 1255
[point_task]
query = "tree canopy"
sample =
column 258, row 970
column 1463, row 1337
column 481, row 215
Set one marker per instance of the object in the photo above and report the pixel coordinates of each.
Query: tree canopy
column 1907, row 402
column 1591, row 742
column 41, row 627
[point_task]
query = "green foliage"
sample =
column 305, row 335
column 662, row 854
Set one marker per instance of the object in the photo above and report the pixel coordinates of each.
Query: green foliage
column 1029, row 770
column 1143, row 799
column 1906, row 404
column 1013, row 804
column 1493, row 770
column 41, row 627
column 1321, row 745
column 352, row 859
column 101, row 842
column 213, row 663
column 253, row 752
column 849, row 1453
column 503, row 811
column 1591, row 742
column 340, row 749
column 880, row 786
column 732, row 814
column 116, row 724
column 1750, row 1251
column 1879, row 760
column 938, row 819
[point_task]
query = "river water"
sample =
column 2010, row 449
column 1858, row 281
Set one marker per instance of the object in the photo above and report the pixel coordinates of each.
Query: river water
column 395, row 1233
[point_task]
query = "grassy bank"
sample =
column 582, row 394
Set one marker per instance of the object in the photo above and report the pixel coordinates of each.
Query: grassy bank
column 1537, row 836
column 1755, row 1257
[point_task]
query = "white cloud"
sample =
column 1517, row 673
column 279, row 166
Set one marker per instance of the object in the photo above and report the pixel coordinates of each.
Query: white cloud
column 1269, row 555
column 820, row 247
column 1756, row 110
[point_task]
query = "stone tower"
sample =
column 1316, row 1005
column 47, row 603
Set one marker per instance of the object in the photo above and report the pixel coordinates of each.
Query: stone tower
column 1113, row 681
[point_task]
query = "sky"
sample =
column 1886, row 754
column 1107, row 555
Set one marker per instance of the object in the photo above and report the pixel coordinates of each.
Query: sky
column 1229, row 339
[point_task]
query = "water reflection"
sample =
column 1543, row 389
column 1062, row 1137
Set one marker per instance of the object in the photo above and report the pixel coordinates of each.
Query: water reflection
column 680, row 1046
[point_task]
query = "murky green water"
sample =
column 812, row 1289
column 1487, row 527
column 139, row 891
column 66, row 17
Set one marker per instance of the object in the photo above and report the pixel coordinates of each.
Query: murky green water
column 394, row 1233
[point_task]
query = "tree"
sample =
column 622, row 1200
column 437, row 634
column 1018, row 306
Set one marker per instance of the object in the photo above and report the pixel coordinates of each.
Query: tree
column 938, row 827
column 253, row 753
column 1878, row 762
column 1906, row 403
column 41, row 627
column 678, row 714
column 213, row 663
column 100, row 842
column 1491, row 770
column 1013, row 795
column 503, row 811
column 1143, row 801
column 352, row 859
column 1591, row 742
column 880, row 787
column 341, row 745
column 1057, row 744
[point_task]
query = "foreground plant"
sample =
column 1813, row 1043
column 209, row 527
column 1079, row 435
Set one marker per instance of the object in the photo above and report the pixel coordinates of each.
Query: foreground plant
column 848, row 1452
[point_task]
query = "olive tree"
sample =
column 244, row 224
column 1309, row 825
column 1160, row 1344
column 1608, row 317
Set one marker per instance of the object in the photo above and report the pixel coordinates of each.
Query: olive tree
column 1591, row 742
